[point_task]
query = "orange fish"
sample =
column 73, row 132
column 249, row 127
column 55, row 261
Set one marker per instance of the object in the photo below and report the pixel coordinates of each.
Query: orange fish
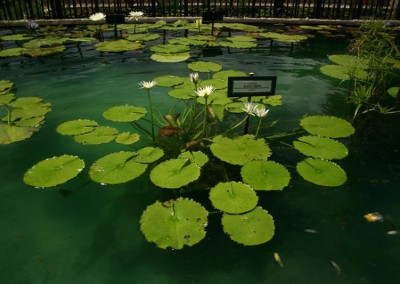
column 373, row 217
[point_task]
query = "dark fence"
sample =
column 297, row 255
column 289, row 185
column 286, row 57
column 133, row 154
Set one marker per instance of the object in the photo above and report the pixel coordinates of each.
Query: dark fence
column 317, row 9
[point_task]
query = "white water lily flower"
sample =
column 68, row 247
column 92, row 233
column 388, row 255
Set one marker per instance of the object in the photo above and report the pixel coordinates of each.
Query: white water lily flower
column 250, row 108
column 261, row 111
column 205, row 92
column 198, row 23
column 147, row 85
column 97, row 17
column 135, row 15
column 194, row 77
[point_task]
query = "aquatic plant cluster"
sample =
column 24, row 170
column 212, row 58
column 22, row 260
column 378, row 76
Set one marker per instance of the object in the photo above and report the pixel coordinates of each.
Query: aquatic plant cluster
column 190, row 149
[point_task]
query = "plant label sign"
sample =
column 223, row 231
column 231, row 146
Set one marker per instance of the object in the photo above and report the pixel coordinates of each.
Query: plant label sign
column 115, row 19
column 251, row 86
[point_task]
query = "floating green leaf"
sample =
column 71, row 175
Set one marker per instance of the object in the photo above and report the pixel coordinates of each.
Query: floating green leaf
column 275, row 100
column 187, row 41
column 100, row 135
column 204, row 66
column 182, row 93
column 170, row 58
column 120, row 45
column 143, row 37
column 10, row 134
column 42, row 51
column 6, row 98
column 116, row 168
column 320, row 147
column 233, row 197
column 328, row 126
column 174, row 173
column 284, row 37
column 235, row 107
column 174, row 223
column 240, row 150
column 11, row 52
column 394, row 91
column 76, row 127
column 54, row 171
column 223, row 75
column 348, row 60
column 265, row 175
column 126, row 113
column 44, row 42
column 253, row 228
column 238, row 44
column 197, row 157
column 168, row 81
column 148, row 155
column 169, row 48
column 127, row 138
column 239, row 27
column 5, row 86
column 321, row 172
column 218, row 84
column 17, row 37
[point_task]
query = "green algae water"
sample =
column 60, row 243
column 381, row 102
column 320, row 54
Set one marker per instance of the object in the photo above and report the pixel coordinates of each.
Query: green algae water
column 84, row 232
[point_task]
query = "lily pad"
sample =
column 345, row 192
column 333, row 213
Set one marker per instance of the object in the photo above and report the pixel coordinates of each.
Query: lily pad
column 120, row 45
column 10, row 134
column 265, row 175
column 175, row 173
column 44, row 42
column 100, row 135
column 187, row 41
column 239, row 27
column 233, row 197
column 218, row 84
column 204, row 66
column 5, row 86
column 76, row 127
column 240, row 150
column 54, row 171
column 284, row 37
column 148, row 155
column 174, row 223
column 223, row 75
column 126, row 113
column 348, row 60
column 253, row 228
column 170, row 48
column 116, row 168
column 197, row 157
column 6, row 98
column 321, row 147
column 143, row 37
column 42, row 51
column 11, row 52
column 169, row 81
column 182, row 93
column 275, row 100
column 127, row 138
column 394, row 92
column 17, row 37
column 238, row 44
column 327, row 126
column 170, row 58
column 321, row 172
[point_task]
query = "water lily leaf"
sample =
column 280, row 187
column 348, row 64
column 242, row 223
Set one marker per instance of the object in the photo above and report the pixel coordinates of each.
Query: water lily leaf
column 218, row 84
column 169, row 48
column 54, row 171
column 174, row 223
column 30, row 122
column 240, row 150
column 320, row 147
column 182, row 93
column 17, row 37
column 238, row 44
column 342, row 72
column 76, row 127
column 42, row 51
column 275, row 100
column 175, row 57
column 348, row 60
column 204, row 66
column 197, row 157
column 28, row 110
column 233, row 197
column 120, row 45
column 127, row 138
column 394, row 92
column 148, row 155
column 327, row 126
column 321, row 172
column 5, row 86
column 10, row 134
column 284, row 37
column 169, row 81
column 239, row 27
column 235, row 107
column 223, row 75
column 126, row 113
column 11, row 52
column 253, row 228
column 116, row 168
column 100, row 135
column 265, row 175
column 143, row 37
column 174, row 173
column 44, row 42
column 187, row 41
column 6, row 98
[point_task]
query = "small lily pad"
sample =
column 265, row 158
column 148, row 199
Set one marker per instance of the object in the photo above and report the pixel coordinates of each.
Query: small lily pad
column 127, row 138
column 126, row 113
column 17, row 37
column 394, row 91
column 284, row 37
column 253, row 228
column 120, row 45
column 327, row 126
column 320, row 147
column 204, row 66
column 5, row 86
column 182, row 93
column 54, row 171
column 321, row 172
column 44, row 42
column 233, row 197
column 42, row 51
column 169, row 81
column 11, row 52
column 143, row 37
column 10, row 134
column 76, row 127
column 100, row 135
column 174, row 223
column 223, row 75
column 197, row 157
column 170, row 48
column 170, row 58
column 238, row 44
column 148, row 155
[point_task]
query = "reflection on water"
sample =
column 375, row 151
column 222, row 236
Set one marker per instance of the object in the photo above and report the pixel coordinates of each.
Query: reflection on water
column 88, row 233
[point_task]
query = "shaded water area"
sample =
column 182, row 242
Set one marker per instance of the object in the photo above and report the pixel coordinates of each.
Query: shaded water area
column 88, row 233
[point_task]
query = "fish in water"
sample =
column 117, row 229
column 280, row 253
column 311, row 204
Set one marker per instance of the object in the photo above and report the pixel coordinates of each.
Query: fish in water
column 392, row 233
column 278, row 259
column 311, row 231
column 337, row 267
column 373, row 217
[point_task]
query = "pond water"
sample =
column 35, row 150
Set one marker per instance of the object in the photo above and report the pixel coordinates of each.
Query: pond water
column 91, row 234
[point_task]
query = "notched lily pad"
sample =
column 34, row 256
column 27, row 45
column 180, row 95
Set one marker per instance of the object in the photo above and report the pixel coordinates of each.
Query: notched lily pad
column 204, row 66
column 169, row 81
column 170, row 58
column 148, row 155
column 320, row 147
column 127, row 138
column 10, row 134
column 197, row 157
column 99, row 135
column 327, row 126
column 120, row 45
column 126, row 113
column 76, row 127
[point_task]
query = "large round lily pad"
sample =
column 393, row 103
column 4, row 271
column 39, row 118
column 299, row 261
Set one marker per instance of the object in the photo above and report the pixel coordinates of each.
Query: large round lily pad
column 120, row 45
column 100, row 135
column 76, row 127
column 240, row 150
column 253, row 228
column 170, row 48
column 126, row 113
column 321, row 147
column 328, row 126
column 265, row 175
column 54, row 171
column 175, row 173
column 174, row 223
column 204, row 66
column 233, row 197
column 321, row 172
column 169, row 81
column 116, row 168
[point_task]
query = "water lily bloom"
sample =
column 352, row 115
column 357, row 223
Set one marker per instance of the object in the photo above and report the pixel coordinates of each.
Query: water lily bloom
column 194, row 77
column 205, row 92
column 261, row 111
column 147, row 85
column 97, row 17
column 198, row 23
column 250, row 108
column 135, row 15
column 32, row 25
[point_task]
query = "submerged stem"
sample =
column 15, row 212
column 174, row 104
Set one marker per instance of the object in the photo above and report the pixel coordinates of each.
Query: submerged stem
column 151, row 114
column 8, row 115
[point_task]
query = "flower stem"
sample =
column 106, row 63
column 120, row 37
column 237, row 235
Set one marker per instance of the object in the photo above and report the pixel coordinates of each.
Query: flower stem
column 205, row 118
column 258, row 127
column 151, row 114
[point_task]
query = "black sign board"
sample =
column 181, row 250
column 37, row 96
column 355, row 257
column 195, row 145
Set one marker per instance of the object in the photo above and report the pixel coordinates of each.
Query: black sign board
column 251, row 86
column 115, row 19
column 212, row 16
